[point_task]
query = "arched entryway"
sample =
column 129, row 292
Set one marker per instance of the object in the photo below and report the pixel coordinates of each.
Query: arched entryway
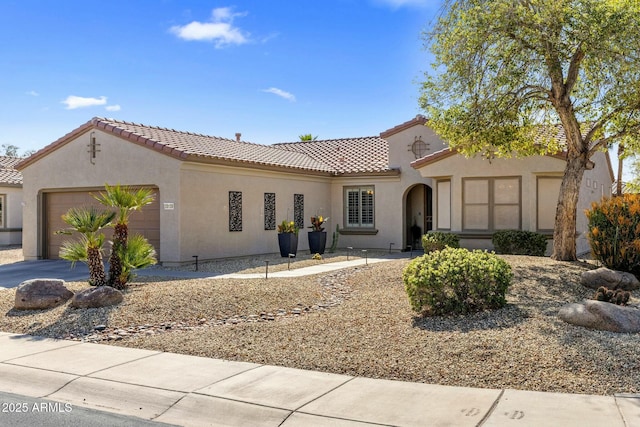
column 418, row 211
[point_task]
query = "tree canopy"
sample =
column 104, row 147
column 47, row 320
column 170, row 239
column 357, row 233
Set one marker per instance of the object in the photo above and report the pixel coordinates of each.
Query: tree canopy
column 511, row 76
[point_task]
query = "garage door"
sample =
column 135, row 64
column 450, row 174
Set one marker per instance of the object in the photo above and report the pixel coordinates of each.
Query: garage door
column 145, row 222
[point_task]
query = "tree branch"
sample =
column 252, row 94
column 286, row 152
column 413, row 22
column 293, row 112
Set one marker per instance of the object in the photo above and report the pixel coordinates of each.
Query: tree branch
column 574, row 68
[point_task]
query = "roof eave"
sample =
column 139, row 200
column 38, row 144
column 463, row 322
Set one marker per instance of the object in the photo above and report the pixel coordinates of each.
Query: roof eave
column 253, row 165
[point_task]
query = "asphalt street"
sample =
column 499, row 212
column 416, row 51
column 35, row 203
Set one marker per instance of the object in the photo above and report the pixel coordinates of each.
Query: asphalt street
column 22, row 411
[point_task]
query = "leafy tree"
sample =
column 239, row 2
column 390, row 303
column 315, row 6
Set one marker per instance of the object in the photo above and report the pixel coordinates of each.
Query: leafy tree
column 125, row 200
column 307, row 137
column 10, row 150
column 505, row 69
column 89, row 222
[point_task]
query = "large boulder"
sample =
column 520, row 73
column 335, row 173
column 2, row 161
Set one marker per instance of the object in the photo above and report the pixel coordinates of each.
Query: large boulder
column 609, row 279
column 101, row 296
column 39, row 294
column 603, row 316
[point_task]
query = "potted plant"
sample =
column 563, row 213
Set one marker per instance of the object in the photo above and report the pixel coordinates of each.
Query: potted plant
column 288, row 238
column 317, row 236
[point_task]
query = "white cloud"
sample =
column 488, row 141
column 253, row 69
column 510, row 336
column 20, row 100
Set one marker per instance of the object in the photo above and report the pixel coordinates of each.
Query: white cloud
column 112, row 107
column 219, row 30
column 281, row 93
column 33, row 93
column 72, row 102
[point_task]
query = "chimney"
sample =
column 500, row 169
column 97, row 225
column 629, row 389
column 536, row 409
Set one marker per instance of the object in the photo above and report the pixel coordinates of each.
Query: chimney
column 238, row 135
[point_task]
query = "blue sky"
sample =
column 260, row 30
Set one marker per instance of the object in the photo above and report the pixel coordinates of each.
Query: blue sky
column 271, row 70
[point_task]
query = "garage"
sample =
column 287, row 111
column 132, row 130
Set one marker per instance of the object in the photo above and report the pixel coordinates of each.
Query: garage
column 145, row 222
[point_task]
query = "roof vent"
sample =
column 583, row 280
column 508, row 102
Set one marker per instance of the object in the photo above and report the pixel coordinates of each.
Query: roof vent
column 238, row 136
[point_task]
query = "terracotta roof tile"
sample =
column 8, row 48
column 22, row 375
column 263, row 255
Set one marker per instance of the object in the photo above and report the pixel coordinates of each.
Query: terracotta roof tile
column 8, row 173
column 193, row 145
column 347, row 155
column 336, row 156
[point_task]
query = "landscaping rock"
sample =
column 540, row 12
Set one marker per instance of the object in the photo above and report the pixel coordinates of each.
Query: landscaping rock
column 39, row 294
column 609, row 279
column 101, row 296
column 603, row 316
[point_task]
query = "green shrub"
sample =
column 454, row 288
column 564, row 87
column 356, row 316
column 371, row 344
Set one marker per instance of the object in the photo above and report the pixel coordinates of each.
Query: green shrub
column 614, row 232
column 437, row 240
column 519, row 242
column 456, row 281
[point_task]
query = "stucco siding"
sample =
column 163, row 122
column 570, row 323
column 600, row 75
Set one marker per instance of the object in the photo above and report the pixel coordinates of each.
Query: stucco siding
column 596, row 184
column 205, row 209
column 10, row 233
column 116, row 161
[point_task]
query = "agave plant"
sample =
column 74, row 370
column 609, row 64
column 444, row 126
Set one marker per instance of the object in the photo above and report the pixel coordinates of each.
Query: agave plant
column 88, row 222
column 125, row 200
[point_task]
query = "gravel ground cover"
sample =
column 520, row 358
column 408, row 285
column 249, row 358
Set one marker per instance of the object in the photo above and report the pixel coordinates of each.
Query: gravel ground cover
column 357, row 321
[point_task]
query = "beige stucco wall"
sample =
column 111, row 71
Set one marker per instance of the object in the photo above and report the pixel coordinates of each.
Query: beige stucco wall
column 391, row 216
column 10, row 234
column 117, row 161
column 204, row 205
column 456, row 167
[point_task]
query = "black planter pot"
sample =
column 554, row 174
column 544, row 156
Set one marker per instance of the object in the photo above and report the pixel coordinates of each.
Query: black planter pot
column 288, row 243
column 317, row 242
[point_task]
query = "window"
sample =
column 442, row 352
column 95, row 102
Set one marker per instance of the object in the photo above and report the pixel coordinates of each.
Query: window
column 444, row 205
column 298, row 210
column 359, row 207
column 2, row 208
column 548, row 191
column 269, row 211
column 491, row 204
column 235, row 211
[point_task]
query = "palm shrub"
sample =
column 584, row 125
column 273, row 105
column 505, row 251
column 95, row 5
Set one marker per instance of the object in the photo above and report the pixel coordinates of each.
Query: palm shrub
column 138, row 253
column 614, row 232
column 519, row 242
column 125, row 200
column 438, row 240
column 89, row 222
column 456, row 281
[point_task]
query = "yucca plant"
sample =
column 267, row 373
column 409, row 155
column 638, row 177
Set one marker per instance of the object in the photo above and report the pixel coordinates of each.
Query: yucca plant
column 88, row 222
column 125, row 200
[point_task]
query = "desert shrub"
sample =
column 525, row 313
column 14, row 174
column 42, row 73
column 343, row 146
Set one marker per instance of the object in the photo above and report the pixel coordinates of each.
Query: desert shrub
column 617, row 296
column 614, row 232
column 456, row 281
column 519, row 242
column 438, row 240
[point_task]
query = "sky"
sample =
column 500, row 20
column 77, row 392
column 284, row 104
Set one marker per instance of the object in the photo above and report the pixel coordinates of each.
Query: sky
column 271, row 70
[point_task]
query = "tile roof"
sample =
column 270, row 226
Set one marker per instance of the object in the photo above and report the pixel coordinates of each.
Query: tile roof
column 194, row 146
column 347, row 155
column 351, row 155
column 8, row 174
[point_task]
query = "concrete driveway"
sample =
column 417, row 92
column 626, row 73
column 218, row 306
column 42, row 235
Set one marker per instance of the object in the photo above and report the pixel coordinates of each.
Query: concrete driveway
column 11, row 275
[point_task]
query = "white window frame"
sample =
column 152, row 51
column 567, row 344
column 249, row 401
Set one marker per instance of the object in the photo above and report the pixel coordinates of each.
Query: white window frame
column 362, row 212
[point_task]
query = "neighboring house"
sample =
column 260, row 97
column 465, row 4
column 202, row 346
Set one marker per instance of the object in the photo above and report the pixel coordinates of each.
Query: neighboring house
column 10, row 202
column 219, row 197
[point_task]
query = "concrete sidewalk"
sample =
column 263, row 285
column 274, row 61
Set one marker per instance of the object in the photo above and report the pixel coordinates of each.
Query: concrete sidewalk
column 196, row 391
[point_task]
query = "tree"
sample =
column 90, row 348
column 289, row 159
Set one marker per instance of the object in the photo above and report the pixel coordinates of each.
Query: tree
column 89, row 222
column 505, row 69
column 125, row 200
column 10, row 150
column 307, row 137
